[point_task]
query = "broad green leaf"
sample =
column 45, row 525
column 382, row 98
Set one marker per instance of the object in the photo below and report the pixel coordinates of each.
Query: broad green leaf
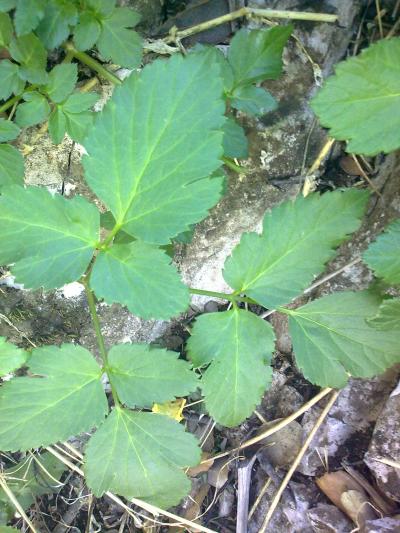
column 6, row 5
column 6, row 529
column 254, row 101
column 298, row 238
column 6, row 29
column 57, row 124
column 117, row 43
column 11, row 166
column 87, row 31
column 62, row 81
column 49, row 239
column 31, row 54
column 235, row 142
column 10, row 82
column 141, row 455
column 332, row 339
column 33, row 111
column 239, row 345
column 8, row 130
column 143, row 375
column 383, row 255
column 156, row 185
column 256, row 55
column 125, row 274
column 28, row 14
column 31, row 477
column 64, row 397
column 360, row 102
column 11, row 357
column 388, row 316
column 55, row 26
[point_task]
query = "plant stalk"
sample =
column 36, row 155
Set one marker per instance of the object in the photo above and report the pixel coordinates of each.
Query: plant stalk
column 233, row 166
column 248, row 12
column 99, row 335
column 222, row 295
column 91, row 63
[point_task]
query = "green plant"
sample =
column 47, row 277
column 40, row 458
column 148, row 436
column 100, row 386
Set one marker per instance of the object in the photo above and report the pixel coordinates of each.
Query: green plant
column 360, row 103
column 33, row 30
column 160, row 174
column 43, row 25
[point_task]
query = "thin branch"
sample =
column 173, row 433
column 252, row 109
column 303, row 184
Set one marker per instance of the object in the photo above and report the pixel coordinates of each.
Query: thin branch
column 15, row 502
column 99, row 335
column 283, row 423
column 297, row 460
column 155, row 511
column 249, row 12
column 91, row 63
column 221, row 295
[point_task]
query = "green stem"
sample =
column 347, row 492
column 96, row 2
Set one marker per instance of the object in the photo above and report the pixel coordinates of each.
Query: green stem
column 222, row 295
column 99, row 335
column 9, row 103
column 91, row 63
column 233, row 166
column 16, row 98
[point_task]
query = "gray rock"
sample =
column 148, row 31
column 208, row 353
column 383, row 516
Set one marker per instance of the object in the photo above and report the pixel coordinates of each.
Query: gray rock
column 383, row 525
column 327, row 518
column 356, row 409
column 385, row 444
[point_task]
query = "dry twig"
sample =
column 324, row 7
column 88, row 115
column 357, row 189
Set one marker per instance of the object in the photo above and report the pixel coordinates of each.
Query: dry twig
column 296, row 462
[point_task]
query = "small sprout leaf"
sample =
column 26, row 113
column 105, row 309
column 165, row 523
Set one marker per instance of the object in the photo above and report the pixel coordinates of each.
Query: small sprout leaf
column 54, row 28
column 87, row 31
column 28, row 15
column 62, row 81
column 117, row 43
column 254, row 101
column 29, row 51
column 256, row 55
column 33, row 111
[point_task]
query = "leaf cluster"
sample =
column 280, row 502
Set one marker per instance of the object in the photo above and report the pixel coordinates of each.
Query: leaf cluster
column 28, row 32
column 253, row 57
column 159, row 175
